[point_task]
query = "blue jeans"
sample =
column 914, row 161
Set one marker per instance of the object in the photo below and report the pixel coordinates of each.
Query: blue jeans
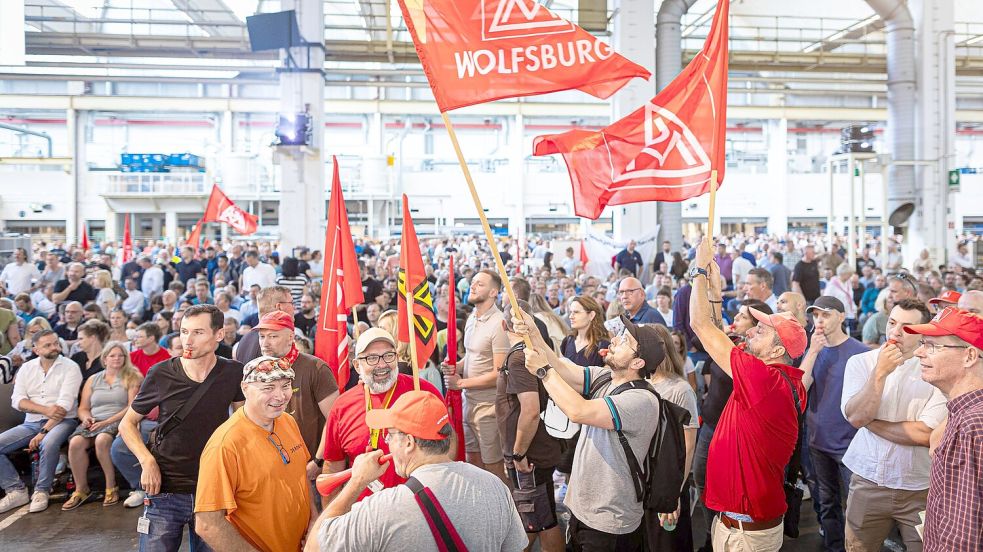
column 168, row 514
column 18, row 437
column 700, row 471
column 833, row 483
column 808, row 471
column 125, row 461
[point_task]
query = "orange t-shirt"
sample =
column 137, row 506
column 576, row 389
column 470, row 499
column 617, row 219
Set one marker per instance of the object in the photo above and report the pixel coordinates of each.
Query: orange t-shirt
column 242, row 472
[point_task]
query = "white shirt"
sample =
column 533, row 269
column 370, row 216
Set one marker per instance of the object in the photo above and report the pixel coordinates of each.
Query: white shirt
column 152, row 282
column 234, row 314
column 43, row 304
column 844, row 292
column 134, row 302
column 740, row 269
column 17, row 278
column 772, row 302
column 59, row 386
column 965, row 261
column 906, row 398
column 262, row 275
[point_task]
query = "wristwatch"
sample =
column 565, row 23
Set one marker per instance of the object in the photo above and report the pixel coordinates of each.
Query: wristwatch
column 695, row 271
column 541, row 371
column 43, row 431
column 516, row 457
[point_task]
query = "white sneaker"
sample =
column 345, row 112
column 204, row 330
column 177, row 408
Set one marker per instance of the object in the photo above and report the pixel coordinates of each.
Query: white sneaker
column 39, row 502
column 135, row 499
column 14, row 499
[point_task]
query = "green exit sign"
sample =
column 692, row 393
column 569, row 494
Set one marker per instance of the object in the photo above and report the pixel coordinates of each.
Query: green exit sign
column 954, row 179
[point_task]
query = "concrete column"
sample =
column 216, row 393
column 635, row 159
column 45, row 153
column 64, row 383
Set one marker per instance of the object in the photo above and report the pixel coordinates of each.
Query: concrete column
column 777, row 140
column 936, row 128
column 75, row 123
column 226, row 135
column 113, row 229
column 170, row 227
column 633, row 36
column 517, row 178
column 302, row 197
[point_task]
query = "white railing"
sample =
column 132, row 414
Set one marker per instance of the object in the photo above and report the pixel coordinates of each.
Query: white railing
column 119, row 183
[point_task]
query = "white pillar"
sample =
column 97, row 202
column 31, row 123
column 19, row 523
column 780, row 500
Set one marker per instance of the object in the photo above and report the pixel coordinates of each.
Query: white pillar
column 75, row 123
column 633, row 36
column 226, row 135
column 777, row 139
column 170, row 227
column 302, row 196
column 517, row 177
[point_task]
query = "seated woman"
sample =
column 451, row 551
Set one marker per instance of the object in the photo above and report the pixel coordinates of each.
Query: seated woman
column 105, row 398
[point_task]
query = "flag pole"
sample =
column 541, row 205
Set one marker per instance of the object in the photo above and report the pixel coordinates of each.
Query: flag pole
column 713, row 204
column 412, row 332
column 484, row 220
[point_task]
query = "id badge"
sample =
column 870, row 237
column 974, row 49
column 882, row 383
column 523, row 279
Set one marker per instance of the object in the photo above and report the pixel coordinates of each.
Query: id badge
column 143, row 525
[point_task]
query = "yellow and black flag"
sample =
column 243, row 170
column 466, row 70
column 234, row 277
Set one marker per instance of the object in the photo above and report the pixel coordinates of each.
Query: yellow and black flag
column 412, row 273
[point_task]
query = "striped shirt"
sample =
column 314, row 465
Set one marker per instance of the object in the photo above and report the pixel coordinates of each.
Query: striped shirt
column 296, row 286
column 955, row 496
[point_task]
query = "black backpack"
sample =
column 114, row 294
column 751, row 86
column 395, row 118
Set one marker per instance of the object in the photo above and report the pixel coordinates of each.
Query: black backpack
column 658, row 482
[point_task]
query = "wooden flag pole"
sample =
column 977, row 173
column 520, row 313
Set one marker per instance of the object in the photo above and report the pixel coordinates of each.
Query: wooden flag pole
column 484, row 220
column 412, row 332
column 713, row 204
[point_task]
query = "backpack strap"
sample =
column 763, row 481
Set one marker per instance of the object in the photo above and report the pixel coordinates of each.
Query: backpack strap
column 638, row 476
column 794, row 463
column 446, row 537
column 175, row 419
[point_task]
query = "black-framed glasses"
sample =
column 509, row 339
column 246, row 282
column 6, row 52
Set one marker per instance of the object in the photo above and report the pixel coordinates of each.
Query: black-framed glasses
column 373, row 360
column 628, row 291
column 934, row 348
column 275, row 439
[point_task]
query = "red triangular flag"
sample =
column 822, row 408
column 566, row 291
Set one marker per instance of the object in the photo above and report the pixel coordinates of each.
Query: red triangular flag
column 664, row 150
column 194, row 239
column 338, row 293
column 454, row 400
column 221, row 209
column 85, row 238
column 127, row 254
column 475, row 51
column 413, row 275
column 584, row 259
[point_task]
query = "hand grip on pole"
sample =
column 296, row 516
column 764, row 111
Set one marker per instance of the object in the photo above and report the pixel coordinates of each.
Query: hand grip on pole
column 326, row 483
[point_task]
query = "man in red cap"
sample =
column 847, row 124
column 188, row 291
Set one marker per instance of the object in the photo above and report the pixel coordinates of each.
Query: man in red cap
column 759, row 426
column 948, row 298
column 952, row 360
column 315, row 388
column 469, row 505
column 345, row 434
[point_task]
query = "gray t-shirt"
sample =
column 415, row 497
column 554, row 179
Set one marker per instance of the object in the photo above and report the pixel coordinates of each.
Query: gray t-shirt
column 601, row 493
column 479, row 506
column 679, row 392
column 107, row 400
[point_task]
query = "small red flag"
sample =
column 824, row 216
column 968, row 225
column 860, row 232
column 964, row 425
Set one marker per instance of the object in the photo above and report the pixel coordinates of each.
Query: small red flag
column 453, row 399
column 194, row 239
column 127, row 255
column 664, row 150
column 85, row 238
column 221, row 209
column 413, row 275
column 475, row 51
column 338, row 294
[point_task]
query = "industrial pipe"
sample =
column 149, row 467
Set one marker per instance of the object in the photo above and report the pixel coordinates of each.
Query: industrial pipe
column 327, row 482
column 43, row 135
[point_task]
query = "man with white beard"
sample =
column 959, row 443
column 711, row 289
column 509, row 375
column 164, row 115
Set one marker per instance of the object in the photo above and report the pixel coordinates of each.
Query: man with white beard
column 346, row 434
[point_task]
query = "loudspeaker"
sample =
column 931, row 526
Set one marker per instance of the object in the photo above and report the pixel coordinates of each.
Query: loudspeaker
column 273, row 31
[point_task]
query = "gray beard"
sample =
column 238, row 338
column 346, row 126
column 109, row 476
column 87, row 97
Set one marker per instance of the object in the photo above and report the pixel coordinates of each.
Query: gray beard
column 377, row 388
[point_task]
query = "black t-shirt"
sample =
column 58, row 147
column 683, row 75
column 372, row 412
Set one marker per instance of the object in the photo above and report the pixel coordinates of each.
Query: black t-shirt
column 303, row 266
column 82, row 359
column 168, row 387
column 371, row 288
column 544, row 450
column 188, row 271
column 304, row 324
column 131, row 270
column 568, row 348
column 83, row 294
column 224, row 350
column 718, row 393
column 248, row 348
column 807, row 275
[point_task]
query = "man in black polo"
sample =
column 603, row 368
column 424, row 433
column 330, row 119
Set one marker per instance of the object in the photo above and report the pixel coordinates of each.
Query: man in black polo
column 628, row 259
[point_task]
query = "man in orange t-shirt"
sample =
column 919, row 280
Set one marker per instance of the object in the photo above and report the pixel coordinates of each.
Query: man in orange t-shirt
column 252, row 486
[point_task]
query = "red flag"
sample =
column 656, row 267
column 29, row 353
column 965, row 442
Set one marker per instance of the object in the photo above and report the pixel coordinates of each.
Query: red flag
column 664, row 150
column 338, row 293
column 221, row 209
column 195, row 237
column 584, row 259
column 454, row 401
column 127, row 255
column 412, row 275
column 475, row 51
column 85, row 238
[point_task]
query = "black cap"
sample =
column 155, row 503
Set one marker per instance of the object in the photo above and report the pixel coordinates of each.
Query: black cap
column 650, row 348
column 827, row 303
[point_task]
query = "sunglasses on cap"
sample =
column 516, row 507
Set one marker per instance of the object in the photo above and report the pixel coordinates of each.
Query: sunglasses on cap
column 267, row 366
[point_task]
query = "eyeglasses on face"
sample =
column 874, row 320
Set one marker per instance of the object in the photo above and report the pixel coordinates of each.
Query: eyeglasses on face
column 275, row 439
column 390, row 433
column 373, row 360
column 628, row 291
column 933, row 348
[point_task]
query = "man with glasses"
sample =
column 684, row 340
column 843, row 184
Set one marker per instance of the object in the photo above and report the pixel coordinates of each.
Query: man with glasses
column 631, row 295
column 169, row 472
column 345, row 434
column 251, row 484
column 894, row 411
column 951, row 360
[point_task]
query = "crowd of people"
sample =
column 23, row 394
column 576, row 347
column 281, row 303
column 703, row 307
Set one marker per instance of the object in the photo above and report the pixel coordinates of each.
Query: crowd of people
column 783, row 369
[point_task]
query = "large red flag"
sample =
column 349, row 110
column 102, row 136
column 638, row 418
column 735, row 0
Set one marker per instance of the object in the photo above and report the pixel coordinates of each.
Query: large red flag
column 454, row 400
column 221, row 209
column 475, row 51
column 664, row 150
column 413, row 276
column 127, row 254
column 338, row 293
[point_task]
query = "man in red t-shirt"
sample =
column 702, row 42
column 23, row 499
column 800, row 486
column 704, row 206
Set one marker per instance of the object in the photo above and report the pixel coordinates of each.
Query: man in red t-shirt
column 758, row 428
column 346, row 433
column 146, row 350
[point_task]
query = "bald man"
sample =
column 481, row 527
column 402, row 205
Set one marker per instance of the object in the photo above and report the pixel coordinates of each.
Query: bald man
column 795, row 303
column 972, row 301
column 631, row 295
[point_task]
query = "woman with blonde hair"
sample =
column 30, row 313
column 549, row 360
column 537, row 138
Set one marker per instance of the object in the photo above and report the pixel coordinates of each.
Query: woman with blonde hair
column 556, row 326
column 669, row 380
column 106, row 396
column 106, row 298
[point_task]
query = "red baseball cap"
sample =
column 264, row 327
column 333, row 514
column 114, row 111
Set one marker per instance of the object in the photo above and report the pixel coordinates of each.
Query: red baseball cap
column 275, row 320
column 953, row 321
column 417, row 413
column 948, row 296
column 790, row 332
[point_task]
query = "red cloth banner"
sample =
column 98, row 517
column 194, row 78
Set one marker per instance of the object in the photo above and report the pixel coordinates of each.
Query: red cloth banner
column 222, row 209
column 413, row 276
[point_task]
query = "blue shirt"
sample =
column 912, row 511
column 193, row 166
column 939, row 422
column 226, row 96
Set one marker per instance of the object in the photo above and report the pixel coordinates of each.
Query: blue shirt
column 648, row 315
column 629, row 260
column 829, row 431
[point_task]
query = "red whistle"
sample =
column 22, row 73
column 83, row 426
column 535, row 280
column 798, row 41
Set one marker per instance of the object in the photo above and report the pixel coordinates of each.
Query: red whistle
column 327, row 482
